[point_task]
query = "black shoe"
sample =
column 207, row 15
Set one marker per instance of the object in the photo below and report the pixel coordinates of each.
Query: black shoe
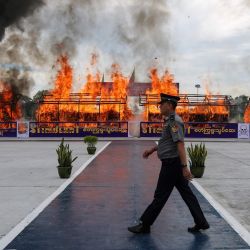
column 139, row 229
column 197, row 228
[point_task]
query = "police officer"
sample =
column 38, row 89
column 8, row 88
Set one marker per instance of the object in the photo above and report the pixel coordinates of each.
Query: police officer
column 174, row 170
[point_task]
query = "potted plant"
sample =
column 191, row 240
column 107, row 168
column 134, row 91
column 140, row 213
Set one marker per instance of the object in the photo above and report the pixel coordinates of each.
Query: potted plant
column 197, row 156
column 91, row 141
column 64, row 160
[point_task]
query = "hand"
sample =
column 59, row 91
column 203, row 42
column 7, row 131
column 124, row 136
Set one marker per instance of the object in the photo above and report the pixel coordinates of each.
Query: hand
column 187, row 174
column 146, row 154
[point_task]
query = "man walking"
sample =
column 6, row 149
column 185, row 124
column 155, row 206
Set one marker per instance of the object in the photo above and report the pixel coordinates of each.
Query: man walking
column 174, row 170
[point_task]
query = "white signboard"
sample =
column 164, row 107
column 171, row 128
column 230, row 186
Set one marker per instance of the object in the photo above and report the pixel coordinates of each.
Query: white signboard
column 243, row 130
column 22, row 129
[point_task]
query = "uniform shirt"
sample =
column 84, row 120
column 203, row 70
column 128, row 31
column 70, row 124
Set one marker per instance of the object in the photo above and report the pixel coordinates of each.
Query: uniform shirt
column 173, row 131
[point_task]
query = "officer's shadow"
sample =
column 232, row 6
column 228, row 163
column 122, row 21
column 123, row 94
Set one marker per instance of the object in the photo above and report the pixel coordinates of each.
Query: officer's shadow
column 143, row 241
column 200, row 241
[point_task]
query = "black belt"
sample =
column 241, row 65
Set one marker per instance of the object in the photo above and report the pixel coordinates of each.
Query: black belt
column 168, row 160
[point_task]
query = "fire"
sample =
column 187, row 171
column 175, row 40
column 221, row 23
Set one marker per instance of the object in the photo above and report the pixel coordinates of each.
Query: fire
column 247, row 114
column 183, row 110
column 97, row 101
column 62, row 90
column 114, row 92
column 201, row 108
column 206, row 108
column 10, row 110
column 220, row 109
column 118, row 91
column 164, row 84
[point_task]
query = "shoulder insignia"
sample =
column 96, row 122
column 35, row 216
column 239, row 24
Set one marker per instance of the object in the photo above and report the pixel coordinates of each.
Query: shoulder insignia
column 174, row 128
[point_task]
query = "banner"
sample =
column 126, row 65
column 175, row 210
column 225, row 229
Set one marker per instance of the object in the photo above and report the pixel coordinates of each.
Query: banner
column 151, row 129
column 211, row 130
column 243, row 131
column 8, row 129
column 194, row 130
column 120, row 129
column 78, row 129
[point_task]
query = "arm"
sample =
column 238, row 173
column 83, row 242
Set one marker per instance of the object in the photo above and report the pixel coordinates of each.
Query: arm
column 182, row 153
column 147, row 153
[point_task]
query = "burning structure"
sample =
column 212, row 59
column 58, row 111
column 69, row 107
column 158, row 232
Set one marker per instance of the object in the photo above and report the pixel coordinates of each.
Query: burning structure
column 97, row 101
column 10, row 109
column 100, row 101
column 247, row 113
column 191, row 107
column 82, row 107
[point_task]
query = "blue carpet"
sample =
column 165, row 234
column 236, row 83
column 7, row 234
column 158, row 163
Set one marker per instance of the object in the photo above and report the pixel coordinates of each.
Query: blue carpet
column 93, row 213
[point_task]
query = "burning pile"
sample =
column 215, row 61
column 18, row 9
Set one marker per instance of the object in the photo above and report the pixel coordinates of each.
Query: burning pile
column 97, row 101
column 204, row 108
column 164, row 84
column 247, row 113
column 192, row 108
column 48, row 112
column 100, row 101
column 10, row 110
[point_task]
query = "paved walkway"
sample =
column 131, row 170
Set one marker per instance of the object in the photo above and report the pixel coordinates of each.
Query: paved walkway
column 29, row 176
column 94, row 211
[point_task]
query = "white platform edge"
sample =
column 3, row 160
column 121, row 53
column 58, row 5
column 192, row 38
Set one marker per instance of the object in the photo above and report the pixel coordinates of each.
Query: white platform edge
column 241, row 230
column 30, row 217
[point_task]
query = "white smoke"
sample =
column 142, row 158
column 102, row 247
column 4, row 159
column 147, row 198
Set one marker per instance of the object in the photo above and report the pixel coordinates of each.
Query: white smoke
column 131, row 34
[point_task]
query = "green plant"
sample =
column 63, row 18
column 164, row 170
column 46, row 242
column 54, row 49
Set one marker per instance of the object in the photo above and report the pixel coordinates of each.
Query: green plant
column 90, row 140
column 197, row 155
column 64, row 155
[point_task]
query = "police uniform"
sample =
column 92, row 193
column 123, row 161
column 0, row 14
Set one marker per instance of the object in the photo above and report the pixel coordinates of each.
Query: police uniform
column 171, row 172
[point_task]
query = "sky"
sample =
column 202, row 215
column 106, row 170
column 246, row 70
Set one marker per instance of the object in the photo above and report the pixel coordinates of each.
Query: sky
column 199, row 42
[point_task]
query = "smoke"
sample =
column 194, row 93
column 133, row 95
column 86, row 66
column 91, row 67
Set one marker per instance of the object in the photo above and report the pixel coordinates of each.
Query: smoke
column 145, row 29
column 11, row 14
column 11, row 11
column 19, row 81
column 132, row 33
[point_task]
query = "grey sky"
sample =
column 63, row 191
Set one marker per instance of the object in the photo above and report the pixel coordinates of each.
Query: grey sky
column 211, row 41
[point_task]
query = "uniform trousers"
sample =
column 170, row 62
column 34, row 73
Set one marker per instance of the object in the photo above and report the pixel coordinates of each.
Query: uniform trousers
column 171, row 176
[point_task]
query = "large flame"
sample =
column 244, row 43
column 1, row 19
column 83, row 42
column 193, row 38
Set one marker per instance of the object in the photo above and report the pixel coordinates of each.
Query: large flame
column 10, row 109
column 118, row 92
column 197, row 109
column 97, row 101
column 62, row 90
column 107, row 101
column 164, row 84
column 247, row 114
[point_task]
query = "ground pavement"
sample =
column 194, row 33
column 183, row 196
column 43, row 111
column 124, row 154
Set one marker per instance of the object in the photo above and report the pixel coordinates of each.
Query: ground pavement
column 93, row 212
